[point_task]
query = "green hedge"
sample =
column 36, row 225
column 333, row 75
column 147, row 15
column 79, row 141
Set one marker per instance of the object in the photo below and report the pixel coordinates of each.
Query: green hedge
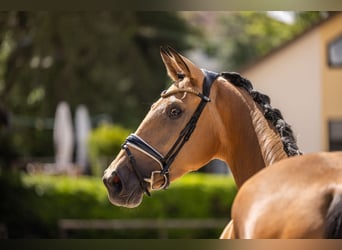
column 105, row 143
column 35, row 203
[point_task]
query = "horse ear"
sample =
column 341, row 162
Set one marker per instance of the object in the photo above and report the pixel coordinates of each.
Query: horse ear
column 169, row 63
column 187, row 67
column 177, row 64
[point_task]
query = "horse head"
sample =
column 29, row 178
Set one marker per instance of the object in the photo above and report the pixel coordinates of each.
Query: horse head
column 172, row 139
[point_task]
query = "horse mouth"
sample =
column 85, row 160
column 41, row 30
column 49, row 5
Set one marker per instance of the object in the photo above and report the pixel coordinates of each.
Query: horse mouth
column 131, row 200
column 121, row 192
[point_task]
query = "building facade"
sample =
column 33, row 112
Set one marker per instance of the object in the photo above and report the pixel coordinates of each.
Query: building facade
column 304, row 80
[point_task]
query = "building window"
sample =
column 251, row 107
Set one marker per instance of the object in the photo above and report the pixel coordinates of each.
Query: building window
column 335, row 52
column 335, row 135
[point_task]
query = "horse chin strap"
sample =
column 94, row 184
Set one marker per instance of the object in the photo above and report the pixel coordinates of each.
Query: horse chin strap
column 134, row 141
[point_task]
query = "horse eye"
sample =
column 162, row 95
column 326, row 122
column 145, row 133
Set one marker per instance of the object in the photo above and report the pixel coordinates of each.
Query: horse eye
column 180, row 76
column 175, row 113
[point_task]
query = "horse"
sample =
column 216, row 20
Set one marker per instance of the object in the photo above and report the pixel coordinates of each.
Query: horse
column 300, row 197
column 202, row 116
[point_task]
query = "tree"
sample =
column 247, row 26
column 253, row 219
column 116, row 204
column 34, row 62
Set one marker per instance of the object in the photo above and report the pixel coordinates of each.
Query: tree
column 241, row 37
column 106, row 60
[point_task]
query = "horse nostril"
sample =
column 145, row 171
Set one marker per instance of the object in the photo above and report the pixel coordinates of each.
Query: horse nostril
column 115, row 182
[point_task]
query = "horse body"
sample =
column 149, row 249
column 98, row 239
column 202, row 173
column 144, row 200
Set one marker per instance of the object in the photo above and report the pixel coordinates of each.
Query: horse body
column 295, row 198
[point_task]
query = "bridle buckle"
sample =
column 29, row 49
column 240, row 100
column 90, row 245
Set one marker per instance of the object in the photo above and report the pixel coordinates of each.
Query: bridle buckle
column 152, row 178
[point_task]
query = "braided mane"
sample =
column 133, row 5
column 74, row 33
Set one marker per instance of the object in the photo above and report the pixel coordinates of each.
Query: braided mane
column 271, row 114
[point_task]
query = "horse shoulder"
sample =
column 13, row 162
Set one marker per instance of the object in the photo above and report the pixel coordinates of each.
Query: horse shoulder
column 283, row 193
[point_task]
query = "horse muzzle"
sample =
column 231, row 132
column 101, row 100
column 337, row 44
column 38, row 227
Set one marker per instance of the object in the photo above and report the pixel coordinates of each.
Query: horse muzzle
column 124, row 192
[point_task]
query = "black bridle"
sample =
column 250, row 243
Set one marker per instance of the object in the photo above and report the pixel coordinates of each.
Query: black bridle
column 166, row 161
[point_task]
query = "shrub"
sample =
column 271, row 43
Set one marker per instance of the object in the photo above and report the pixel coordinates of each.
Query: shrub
column 34, row 208
column 104, row 143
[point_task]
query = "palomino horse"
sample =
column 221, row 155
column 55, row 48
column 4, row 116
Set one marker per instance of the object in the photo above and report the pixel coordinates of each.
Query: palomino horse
column 203, row 115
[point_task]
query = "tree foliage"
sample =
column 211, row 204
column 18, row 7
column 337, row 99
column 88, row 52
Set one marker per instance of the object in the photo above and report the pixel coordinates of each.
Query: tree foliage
column 93, row 58
column 241, row 37
column 108, row 61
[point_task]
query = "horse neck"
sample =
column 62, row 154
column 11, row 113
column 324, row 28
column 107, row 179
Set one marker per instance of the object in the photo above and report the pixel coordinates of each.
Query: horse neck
column 248, row 141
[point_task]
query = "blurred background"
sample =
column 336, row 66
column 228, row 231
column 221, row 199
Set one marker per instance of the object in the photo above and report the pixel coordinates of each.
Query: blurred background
column 73, row 85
